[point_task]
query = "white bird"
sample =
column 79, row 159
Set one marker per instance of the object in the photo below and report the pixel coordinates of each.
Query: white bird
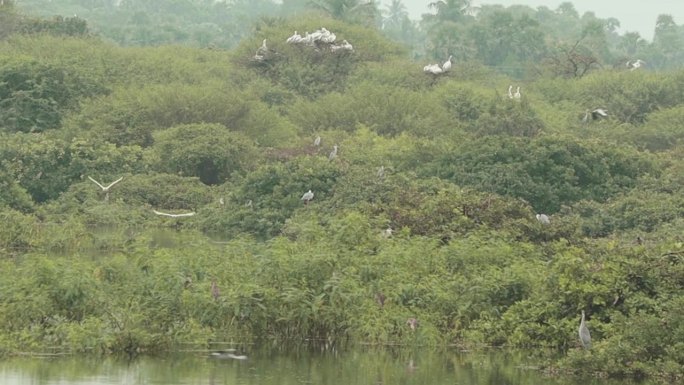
column 174, row 215
column 295, row 38
column 387, row 233
column 635, row 64
column 447, row 64
column 307, row 196
column 434, row 69
column 317, row 141
column 344, row 46
column 263, row 49
column 249, row 203
column 596, row 114
column 510, row 91
column 333, row 153
column 543, row 219
column 517, row 95
column 228, row 354
column 105, row 188
column 222, row 201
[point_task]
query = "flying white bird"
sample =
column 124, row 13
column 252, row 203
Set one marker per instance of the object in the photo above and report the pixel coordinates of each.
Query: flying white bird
column 543, row 219
column 635, row 64
column 333, row 153
column 447, row 64
column 105, row 189
column 307, row 196
column 174, row 215
column 596, row 114
column 228, row 354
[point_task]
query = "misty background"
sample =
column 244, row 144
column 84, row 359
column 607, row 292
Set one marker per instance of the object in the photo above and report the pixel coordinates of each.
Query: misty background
column 512, row 36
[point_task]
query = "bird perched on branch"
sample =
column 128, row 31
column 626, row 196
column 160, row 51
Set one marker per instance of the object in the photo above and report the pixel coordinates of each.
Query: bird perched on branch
column 585, row 337
column 307, row 197
column 543, row 219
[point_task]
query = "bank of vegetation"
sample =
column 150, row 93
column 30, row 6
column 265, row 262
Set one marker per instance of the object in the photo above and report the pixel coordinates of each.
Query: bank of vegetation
column 456, row 168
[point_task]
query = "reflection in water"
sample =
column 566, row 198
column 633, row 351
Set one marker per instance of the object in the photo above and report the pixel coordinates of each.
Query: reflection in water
column 355, row 367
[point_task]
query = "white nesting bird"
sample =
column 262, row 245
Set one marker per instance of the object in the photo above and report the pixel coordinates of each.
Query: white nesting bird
column 345, row 46
column 543, row 219
column 387, row 233
column 447, row 64
column 333, row 153
column 294, row 39
column 105, row 189
column 317, row 141
column 510, row 91
column 263, row 49
column 174, row 215
column 517, row 94
column 434, row 69
column 309, row 195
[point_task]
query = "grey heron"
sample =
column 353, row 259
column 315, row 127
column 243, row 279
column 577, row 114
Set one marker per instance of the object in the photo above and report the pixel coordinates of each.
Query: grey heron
column 215, row 293
column 543, row 219
column 333, row 153
column 174, row 215
column 381, row 172
column 307, row 196
column 585, row 337
column 412, row 323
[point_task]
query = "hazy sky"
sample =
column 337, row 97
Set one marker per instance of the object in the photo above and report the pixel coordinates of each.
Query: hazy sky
column 634, row 15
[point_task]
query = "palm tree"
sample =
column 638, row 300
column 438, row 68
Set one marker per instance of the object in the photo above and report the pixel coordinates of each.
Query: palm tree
column 355, row 11
column 394, row 15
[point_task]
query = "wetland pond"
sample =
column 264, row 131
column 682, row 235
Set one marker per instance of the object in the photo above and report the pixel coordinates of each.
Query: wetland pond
column 293, row 367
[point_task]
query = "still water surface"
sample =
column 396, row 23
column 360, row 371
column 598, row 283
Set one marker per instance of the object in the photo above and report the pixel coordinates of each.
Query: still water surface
column 376, row 367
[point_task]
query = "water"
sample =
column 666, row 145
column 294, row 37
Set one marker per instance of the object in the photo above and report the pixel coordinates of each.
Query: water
column 355, row 367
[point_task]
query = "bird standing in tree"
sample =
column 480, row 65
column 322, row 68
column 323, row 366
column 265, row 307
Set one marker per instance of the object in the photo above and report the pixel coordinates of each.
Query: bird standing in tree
column 585, row 337
column 307, row 197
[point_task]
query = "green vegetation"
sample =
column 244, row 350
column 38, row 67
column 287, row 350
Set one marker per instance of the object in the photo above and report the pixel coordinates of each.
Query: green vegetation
column 230, row 138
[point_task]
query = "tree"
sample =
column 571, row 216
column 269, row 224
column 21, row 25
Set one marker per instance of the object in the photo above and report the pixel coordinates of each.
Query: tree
column 210, row 152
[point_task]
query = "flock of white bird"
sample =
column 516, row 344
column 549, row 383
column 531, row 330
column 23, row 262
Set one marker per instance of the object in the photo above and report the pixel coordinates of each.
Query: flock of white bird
column 435, row 69
column 517, row 95
column 317, row 37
